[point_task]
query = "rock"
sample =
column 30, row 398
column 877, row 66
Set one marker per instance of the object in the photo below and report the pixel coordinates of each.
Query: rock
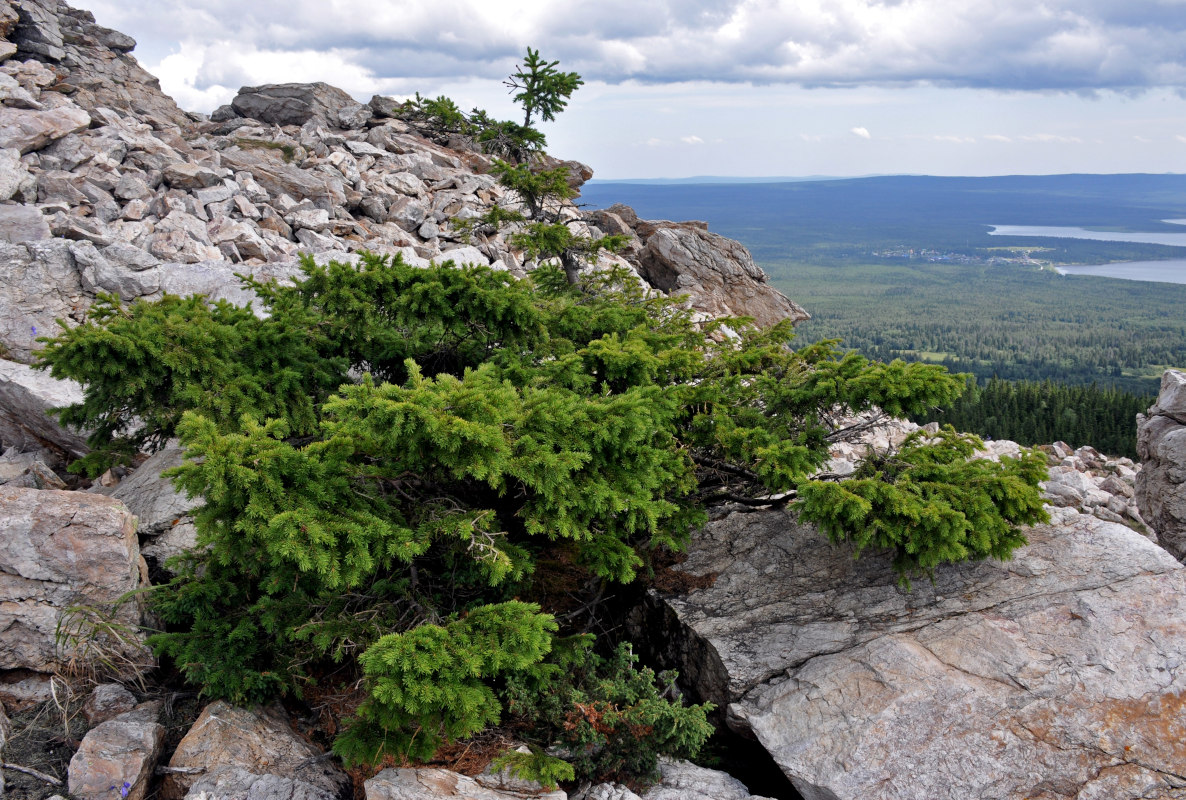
column 39, row 32
column 237, row 783
column 15, row 178
column 67, row 550
column 157, row 505
column 5, row 735
column 15, row 95
column 269, row 171
column 354, row 116
column 224, row 113
column 39, row 284
column 313, row 219
column 257, row 742
column 184, row 175
column 717, row 273
column 682, row 780
column 107, row 701
column 434, row 784
column 1161, row 483
column 385, row 106
column 22, row 224
column 121, row 752
column 180, row 539
column 28, row 130
column 22, row 689
column 26, row 396
column 997, row 680
column 293, row 103
column 36, row 476
column 505, row 780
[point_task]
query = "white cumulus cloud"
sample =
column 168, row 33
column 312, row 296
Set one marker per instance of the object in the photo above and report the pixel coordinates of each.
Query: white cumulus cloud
column 1075, row 45
column 862, row 133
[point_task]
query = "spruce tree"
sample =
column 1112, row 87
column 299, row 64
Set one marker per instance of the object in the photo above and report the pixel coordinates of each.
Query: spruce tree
column 397, row 464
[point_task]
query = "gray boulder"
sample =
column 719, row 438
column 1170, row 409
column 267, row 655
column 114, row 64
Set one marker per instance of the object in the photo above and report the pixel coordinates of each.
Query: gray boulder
column 1055, row 674
column 293, row 103
column 26, row 396
column 22, row 224
column 27, row 130
column 440, row 784
column 121, row 752
column 39, row 284
column 718, row 274
column 157, row 505
column 229, row 750
column 60, row 551
column 1161, row 483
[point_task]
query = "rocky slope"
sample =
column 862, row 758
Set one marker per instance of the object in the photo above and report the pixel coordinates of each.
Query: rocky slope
column 107, row 186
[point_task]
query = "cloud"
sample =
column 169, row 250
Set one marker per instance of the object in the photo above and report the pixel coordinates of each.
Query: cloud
column 691, row 140
column 954, row 139
column 1072, row 45
column 1050, row 138
column 861, row 132
column 996, row 137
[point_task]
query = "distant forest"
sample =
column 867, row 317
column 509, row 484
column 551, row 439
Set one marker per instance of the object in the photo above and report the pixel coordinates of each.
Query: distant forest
column 1006, row 321
column 1040, row 413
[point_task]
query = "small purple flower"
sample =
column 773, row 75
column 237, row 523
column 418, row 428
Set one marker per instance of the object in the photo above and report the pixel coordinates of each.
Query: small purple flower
column 127, row 787
column 34, row 329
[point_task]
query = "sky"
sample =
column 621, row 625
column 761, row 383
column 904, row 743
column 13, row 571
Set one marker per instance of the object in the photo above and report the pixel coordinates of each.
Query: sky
column 678, row 88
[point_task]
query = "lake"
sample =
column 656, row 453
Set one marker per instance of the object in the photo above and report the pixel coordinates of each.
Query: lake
column 1172, row 239
column 1169, row 271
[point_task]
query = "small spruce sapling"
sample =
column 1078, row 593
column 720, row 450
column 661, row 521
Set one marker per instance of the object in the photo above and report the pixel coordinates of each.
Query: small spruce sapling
column 542, row 89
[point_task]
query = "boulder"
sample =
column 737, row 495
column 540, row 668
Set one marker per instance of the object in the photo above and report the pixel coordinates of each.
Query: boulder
column 153, row 499
column 107, row 701
column 68, row 553
column 1046, row 676
column 237, row 783
column 718, row 274
column 1161, row 483
column 15, row 179
column 439, row 784
column 38, row 32
column 121, row 753
column 27, row 130
column 236, row 747
column 39, row 284
column 679, row 780
column 22, row 224
column 269, row 170
column 294, row 103
column 26, row 396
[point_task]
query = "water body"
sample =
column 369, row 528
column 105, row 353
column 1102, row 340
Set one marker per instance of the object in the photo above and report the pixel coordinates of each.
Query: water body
column 1172, row 239
column 1170, row 271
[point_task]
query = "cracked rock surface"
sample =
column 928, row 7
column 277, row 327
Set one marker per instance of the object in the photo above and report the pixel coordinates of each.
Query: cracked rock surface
column 1161, row 442
column 1055, row 675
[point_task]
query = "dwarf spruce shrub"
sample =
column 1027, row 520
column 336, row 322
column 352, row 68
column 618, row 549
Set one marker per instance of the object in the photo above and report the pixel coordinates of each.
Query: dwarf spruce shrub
column 393, row 461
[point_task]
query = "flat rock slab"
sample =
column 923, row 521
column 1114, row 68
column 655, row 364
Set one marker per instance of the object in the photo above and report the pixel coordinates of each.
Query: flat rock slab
column 1055, row 675
column 64, row 550
column 439, row 784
